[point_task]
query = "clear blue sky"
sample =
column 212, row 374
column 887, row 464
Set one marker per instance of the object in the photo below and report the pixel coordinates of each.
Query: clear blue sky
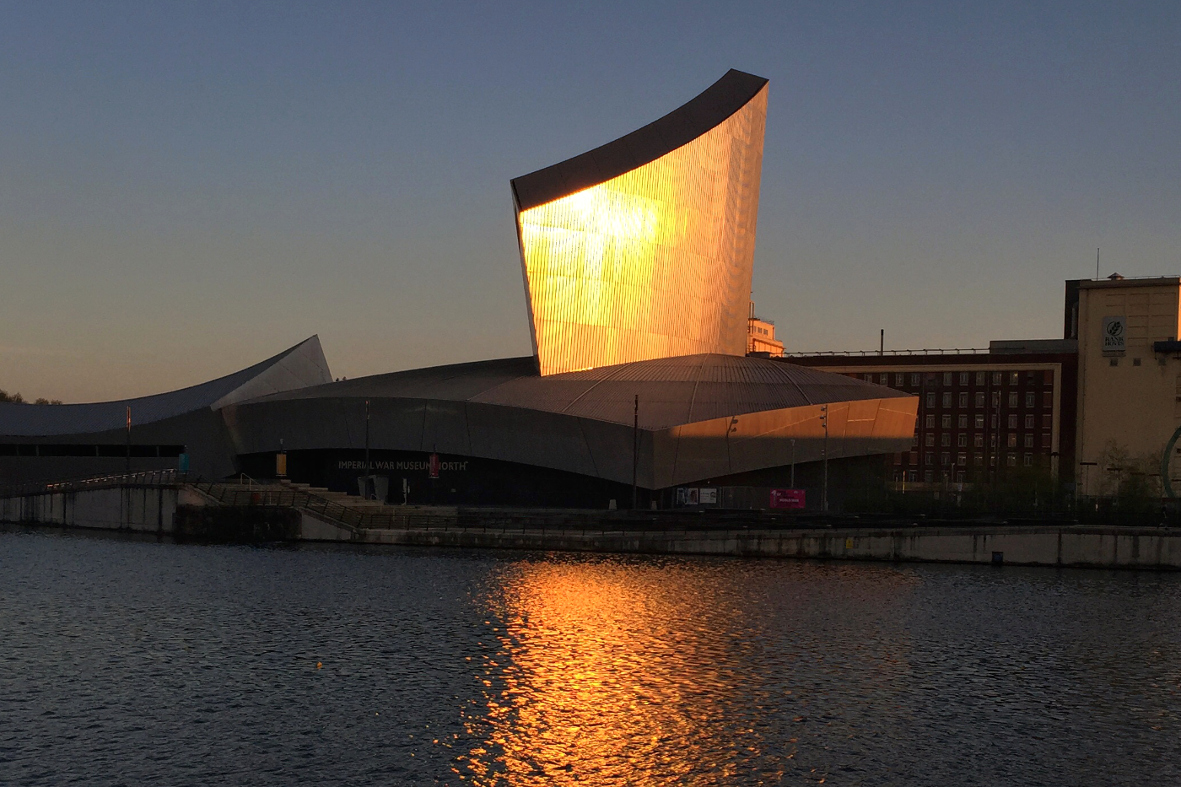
column 187, row 188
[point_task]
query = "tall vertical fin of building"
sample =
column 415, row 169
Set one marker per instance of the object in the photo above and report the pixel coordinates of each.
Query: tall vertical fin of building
column 644, row 248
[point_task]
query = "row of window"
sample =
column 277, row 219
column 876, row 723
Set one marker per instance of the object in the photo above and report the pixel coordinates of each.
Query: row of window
column 1013, row 399
column 961, row 459
column 929, row 476
column 978, row 440
column 1046, row 376
column 978, row 421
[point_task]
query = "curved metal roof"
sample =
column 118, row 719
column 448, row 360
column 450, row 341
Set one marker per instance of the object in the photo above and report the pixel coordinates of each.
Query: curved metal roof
column 296, row 367
column 672, row 391
column 679, row 127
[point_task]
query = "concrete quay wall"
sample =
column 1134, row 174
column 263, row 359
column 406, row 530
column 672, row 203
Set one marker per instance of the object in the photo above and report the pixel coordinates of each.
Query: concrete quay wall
column 1092, row 547
column 146, row 509
column 180, row 512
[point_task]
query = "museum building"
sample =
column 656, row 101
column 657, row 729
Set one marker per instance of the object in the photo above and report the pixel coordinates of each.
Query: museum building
column 637, row 261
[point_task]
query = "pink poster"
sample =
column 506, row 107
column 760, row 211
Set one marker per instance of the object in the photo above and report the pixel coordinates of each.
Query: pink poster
column 787, row 498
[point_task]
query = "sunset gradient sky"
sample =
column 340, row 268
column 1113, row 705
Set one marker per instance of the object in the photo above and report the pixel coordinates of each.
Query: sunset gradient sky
column 188, row 188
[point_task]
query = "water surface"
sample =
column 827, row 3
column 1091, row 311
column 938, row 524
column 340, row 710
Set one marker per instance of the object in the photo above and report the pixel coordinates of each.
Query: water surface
column 135, row 662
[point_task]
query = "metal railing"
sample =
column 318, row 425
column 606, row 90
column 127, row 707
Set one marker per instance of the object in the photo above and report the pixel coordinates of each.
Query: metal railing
column 867, row 353
column 86, row 483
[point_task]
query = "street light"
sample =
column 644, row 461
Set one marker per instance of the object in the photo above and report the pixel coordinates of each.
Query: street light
column 793, row 463
column 824, row 423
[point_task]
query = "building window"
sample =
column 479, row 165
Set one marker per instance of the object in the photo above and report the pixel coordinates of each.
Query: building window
column 1013, row 399
column 947, row 378
column 1029, row 399
column 1029, row 377
column 928, row 475
column 1029, row 441
column 1047, row 441
column 1013, row 421
column 929, row 459
column 929, row 440
column 963, row 378
column 1114, row 362
column 1014, row 378
column 978, row 421
column 978, row 459
column 1049, row 377
column 916, row 379
column 1029, row 422
column 931, row 399
column 897, row 459
column 961, row 441
column 945, row 421
column 1011, row 460
column 947, row 398
column 992, row 441
column 996, row 398
column 945, row 439
column 1012, row 440
column 962, row 460
column 963, row 399
column 1047, row 421
column 979, row 378
column 930, row 421
column 963, row 421
column 1048, row 399
column 1028, row 460
column 978, row 441
column 898, row 380
column 868, row 378
column 980, row 398
column 884, row 379
column 945, row 459
column 994, row 420
column 996, row 378
column 913, row 459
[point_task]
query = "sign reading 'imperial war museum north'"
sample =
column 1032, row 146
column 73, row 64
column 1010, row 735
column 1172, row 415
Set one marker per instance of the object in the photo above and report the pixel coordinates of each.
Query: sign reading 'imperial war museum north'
column 1115, row 331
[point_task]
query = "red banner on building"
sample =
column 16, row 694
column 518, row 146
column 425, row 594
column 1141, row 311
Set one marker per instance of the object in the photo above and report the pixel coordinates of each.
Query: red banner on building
column 787, row 498
column 434, row 466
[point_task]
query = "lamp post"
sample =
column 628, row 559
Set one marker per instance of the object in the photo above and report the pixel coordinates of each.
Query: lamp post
column 127, row 462
column 793, row 463
column 636, row 455
column 368, row 495
column 824, row 491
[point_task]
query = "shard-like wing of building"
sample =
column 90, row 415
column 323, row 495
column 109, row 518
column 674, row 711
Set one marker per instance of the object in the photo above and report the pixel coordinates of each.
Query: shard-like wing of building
column 643, row 248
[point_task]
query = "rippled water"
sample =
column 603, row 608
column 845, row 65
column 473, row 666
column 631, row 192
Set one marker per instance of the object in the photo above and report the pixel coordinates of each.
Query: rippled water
column 128, row 662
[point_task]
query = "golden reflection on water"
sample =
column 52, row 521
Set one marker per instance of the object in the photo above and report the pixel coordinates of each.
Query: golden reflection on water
column 600, row 679
column 618, row 672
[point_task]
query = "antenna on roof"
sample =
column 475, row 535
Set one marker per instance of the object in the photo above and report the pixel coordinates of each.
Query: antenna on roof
column 1096, row 263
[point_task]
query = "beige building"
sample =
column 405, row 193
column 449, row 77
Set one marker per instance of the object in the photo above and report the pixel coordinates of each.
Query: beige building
column 760, row 336
column 1129, row 373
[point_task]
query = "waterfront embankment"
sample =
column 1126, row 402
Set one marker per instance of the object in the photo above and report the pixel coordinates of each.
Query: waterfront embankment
column 209, row 513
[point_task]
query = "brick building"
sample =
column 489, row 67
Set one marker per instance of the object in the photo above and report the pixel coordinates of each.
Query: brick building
column 1013, row 405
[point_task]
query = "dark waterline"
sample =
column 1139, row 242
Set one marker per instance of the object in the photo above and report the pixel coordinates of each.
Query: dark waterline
column 132, row 662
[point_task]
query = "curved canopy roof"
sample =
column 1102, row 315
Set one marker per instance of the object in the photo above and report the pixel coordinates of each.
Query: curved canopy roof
column 672, row 391
column 683, row 125
column 299, row 366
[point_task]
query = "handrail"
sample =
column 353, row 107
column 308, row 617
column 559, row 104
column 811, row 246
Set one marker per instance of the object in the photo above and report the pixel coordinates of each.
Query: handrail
column 167, row 477
column 865, row 353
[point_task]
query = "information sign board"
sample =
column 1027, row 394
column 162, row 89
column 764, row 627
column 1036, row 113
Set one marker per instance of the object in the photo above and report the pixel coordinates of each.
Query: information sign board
column 787, row 498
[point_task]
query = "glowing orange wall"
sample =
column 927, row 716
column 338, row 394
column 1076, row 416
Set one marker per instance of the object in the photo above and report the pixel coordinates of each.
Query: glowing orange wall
column 653, row 263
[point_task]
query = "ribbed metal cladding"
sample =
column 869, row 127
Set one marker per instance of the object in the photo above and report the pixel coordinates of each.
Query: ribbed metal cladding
column 656, row 261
